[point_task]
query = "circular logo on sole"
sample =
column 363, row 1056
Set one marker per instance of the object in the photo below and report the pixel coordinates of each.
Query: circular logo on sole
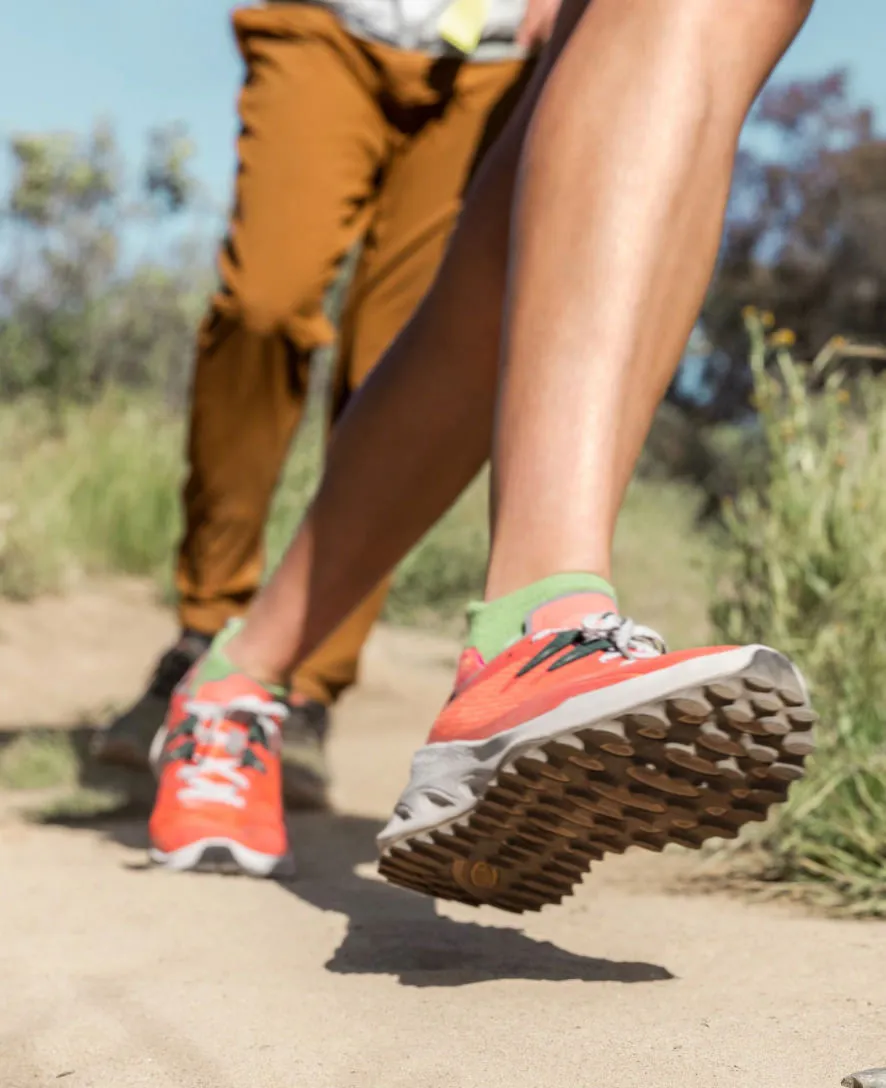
column 475, row 875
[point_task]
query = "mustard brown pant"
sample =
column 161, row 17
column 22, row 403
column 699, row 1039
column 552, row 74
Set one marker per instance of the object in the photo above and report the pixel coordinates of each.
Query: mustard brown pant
column 340, row 140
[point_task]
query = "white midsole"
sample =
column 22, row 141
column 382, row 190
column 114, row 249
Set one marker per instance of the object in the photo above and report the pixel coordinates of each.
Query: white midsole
column 250, row 861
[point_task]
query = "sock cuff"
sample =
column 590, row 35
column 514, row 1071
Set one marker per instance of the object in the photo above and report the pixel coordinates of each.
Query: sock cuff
column 216, row 665
column 494, row 625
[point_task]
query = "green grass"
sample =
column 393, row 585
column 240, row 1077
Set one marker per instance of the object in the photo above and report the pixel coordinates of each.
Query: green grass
column 805, row 570
column 663, row 561
column 801, row 565
column 82, row 804
column 35, row 761
column 52, row 763
column 99, row 494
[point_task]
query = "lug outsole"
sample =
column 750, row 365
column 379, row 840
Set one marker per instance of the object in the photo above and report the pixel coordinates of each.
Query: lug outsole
column 698, row 764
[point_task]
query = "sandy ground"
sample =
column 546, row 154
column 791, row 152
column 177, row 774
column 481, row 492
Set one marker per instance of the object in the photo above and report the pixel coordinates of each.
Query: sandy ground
column 115, row 976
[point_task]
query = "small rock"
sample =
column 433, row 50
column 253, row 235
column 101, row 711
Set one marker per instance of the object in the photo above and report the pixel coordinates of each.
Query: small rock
column 867, row 1078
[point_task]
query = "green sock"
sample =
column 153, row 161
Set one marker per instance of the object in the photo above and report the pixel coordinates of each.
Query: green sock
column 216, row 665
column 493, row 626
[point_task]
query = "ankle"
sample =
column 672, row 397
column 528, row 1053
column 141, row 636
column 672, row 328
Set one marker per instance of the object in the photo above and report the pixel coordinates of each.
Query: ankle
column 497, row 623
column 251, row 659
column 512, row 573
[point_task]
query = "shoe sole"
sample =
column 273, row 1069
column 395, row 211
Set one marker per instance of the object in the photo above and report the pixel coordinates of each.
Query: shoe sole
column 222, row 855
column 697, row 763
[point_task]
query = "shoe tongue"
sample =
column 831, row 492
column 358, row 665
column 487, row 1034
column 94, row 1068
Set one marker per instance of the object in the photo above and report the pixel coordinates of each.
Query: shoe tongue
column 567, row 612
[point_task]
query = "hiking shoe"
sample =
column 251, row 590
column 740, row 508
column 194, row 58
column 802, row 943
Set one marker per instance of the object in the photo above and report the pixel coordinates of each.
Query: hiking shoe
column 581, row 739
column 126, row 742
column 219, row 796
column 303, row 736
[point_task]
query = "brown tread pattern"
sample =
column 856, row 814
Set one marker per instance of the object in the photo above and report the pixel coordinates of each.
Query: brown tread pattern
column 697, row 765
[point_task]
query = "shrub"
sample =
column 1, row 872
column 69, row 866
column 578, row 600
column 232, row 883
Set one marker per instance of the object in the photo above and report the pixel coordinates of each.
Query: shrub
column 805, row 570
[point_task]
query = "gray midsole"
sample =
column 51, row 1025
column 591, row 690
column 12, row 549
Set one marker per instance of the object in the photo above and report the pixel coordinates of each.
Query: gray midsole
column 447, row 778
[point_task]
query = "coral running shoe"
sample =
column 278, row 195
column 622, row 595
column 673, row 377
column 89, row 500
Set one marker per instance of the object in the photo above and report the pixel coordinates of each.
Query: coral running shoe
column 581, row 739
column 219, row 799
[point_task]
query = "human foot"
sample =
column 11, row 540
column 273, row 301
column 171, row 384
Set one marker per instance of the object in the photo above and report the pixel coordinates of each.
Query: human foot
column 219, row 798
column 583, row 738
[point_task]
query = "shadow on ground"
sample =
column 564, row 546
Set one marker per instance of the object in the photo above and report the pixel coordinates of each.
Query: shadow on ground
column 400, row 933
column 57, row 760
column 390, row 932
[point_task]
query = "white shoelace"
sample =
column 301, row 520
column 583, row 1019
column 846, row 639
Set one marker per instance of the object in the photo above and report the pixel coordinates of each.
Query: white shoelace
column 220, row 779
column 629, row 640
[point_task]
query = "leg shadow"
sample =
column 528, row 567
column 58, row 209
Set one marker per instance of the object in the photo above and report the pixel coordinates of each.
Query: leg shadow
column 394, row 932
column 389, row 931
column 113, row 801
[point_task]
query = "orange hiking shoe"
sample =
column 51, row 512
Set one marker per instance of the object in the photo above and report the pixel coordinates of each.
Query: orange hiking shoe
column 219, row 799
column 583, row 738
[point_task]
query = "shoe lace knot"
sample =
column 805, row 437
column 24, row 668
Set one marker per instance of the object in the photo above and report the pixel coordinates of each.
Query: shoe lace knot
column 214, row 764
column 627, row 638
column 607, row 634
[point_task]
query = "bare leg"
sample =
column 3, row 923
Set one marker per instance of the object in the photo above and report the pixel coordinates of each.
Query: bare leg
column 641, row 114
column 624, row 180
column 411, row 439
column 623, row 186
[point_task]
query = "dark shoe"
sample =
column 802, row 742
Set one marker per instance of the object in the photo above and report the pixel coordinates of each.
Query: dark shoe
column 305, row 773
column 127, row 740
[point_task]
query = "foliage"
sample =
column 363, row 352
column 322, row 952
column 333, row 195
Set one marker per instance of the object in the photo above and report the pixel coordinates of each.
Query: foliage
column 805, row 570
column 805, row 236
column 77, row 310
column 101, row 495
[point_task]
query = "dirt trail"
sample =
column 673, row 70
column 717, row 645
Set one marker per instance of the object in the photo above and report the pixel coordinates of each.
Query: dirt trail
column 116, row 976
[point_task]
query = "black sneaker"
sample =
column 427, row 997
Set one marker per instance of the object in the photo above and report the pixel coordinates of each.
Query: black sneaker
column 305, row 773
column 126, row 742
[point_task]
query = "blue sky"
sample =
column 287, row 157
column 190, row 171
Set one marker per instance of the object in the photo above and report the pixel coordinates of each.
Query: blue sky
column 66, row 62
